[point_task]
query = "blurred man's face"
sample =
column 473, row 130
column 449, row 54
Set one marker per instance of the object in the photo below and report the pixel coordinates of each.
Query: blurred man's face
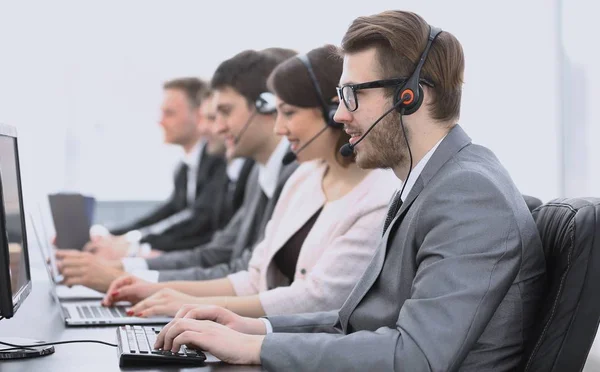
column 207, row 127
column 179, row 119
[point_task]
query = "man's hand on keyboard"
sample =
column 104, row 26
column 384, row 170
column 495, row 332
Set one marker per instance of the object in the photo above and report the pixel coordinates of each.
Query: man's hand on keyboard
column 224, row 343
column 222, row 316
column 83, row 268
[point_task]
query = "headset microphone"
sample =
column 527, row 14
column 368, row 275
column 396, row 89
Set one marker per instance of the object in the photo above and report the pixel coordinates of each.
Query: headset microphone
column 265, row 105
column 245, row 127
column 348, row 149
column 291, row 156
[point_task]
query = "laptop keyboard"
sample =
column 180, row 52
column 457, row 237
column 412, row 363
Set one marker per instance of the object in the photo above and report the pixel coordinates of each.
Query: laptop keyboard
column 136, row 346
column 99, row 311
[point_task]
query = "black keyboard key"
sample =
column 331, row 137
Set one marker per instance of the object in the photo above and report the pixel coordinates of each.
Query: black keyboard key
column 190, row 352
column 143, row 344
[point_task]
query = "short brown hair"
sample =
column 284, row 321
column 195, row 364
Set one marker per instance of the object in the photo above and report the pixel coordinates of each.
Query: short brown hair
column 247, row 72
column 291, row 82
column 194, row 89
column 282, row 53
column 400, row 38
column 204, row 94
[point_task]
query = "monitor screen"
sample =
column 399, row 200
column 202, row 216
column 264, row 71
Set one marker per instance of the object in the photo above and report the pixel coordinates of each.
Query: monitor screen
column 14, row 239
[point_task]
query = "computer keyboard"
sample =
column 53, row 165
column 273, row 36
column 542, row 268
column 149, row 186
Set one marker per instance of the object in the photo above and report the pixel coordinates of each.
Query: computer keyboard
column 135, row 345
column 98, row 311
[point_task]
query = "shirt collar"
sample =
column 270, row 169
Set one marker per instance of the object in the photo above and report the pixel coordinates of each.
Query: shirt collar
column 416, row 172
column 234, row 168
column 192, row 159
column 268, row 174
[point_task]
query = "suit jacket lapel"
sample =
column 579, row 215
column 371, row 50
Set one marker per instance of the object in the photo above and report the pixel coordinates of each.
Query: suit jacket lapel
column 255, row 194
column 204, row 167
column 303, row 209
column 452, row 144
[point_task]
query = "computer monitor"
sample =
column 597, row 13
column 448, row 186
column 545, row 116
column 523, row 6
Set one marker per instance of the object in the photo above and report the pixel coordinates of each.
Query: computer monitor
column 15, row 275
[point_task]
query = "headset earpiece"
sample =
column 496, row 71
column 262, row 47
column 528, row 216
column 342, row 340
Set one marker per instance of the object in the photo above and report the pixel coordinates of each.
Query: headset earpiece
column 330, row 114
column 409, row 97
column 265, row 104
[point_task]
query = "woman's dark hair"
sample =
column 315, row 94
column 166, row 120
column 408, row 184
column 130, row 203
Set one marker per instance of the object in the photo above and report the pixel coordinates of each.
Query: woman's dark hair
column 291, row 82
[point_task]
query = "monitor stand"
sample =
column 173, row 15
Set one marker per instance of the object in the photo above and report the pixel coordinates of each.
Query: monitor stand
column 32, row 352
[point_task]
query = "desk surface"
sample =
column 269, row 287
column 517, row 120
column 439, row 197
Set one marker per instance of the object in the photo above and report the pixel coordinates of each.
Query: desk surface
column 39, row 319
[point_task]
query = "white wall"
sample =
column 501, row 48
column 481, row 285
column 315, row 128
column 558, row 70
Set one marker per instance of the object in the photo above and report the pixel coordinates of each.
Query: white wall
column 580, row 115
column 581, row 89
column 82, row 81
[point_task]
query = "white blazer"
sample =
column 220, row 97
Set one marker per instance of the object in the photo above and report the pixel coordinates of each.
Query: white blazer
column 336, row 251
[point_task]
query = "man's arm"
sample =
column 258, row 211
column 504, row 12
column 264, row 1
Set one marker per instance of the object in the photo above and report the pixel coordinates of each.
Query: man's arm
column 469, row 256
column 323, row 322
column 163, row 211
column 217, row 251
column 213, row 272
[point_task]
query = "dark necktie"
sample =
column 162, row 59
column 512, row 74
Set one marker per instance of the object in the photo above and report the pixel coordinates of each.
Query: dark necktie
column 182, row 183
column 392, row 211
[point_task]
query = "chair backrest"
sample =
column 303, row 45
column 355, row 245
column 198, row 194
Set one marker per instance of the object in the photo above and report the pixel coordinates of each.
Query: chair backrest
column 532, row 202
column 570, row 311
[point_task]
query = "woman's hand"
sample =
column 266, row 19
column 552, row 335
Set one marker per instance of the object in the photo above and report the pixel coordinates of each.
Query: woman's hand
column 129, row 288
column 164, row 302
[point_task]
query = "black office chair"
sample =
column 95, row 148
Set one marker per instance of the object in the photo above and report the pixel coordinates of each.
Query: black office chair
column 532, row 202
column 570, row 312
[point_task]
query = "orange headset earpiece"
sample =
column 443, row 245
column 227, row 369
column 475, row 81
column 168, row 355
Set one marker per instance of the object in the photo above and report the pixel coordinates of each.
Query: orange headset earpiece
column 409, row 97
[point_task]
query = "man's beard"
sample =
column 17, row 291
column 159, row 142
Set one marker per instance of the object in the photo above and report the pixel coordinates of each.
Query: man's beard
column 385, row 146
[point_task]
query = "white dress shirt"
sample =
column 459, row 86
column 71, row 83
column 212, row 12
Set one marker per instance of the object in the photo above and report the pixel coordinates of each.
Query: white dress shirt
column 192, row 159
column 417, row 169
column 268, row 176
column 234, row 168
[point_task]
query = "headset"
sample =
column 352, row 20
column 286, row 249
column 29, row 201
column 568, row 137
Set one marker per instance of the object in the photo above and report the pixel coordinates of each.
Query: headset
column 407, row 100
column 408, row 97
column 264, row 105
column 328, row 109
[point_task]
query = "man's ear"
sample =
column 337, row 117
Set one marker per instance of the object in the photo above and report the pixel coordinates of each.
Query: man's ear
column 427, row 95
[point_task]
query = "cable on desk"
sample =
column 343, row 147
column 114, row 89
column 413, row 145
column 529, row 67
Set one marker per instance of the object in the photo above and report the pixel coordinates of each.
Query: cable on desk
column 17, row 347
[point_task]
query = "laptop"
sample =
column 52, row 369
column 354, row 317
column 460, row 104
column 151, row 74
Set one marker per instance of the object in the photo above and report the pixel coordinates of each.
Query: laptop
column 72, row 215
column 76, row 292
column 77, row 312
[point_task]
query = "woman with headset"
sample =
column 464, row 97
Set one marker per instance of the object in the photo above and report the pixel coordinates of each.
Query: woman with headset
column 325, row 226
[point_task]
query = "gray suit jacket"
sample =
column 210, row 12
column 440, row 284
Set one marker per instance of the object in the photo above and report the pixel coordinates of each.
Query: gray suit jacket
column 454, row 284
column 231, row 248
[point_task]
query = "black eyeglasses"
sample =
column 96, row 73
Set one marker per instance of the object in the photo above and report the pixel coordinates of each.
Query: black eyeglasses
column 347, row 93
